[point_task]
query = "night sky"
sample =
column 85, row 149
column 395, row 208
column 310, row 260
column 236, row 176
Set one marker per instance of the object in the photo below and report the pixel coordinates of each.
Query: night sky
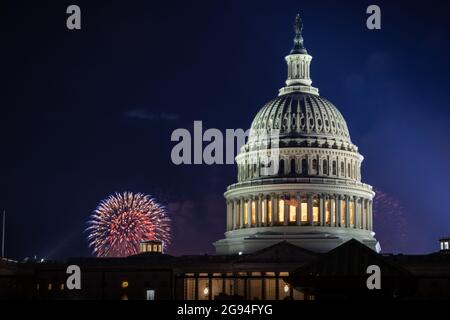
column 88, row 113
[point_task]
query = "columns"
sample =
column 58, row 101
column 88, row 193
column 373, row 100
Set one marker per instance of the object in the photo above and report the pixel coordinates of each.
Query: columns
column 338, row 211
column 347, row 209
column 241, row 209
column 257, row 211
column 298, row 212
column 229, row 220
column 370, row 217
column 310, row 209
column 358, row 202
column 286, row 210
column 322, row 209
column 274, row 210
column 249, row 212
column 236, row 214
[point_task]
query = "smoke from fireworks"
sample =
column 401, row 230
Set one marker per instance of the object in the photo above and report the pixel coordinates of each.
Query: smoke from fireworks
column 389, row 222
column 122, row 221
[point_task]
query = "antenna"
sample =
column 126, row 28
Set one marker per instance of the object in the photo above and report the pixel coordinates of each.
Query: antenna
column 3, row 233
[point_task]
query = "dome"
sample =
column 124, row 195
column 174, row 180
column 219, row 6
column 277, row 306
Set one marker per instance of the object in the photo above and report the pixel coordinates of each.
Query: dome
column 303, row 115
column 299, row 174
column 302, row 119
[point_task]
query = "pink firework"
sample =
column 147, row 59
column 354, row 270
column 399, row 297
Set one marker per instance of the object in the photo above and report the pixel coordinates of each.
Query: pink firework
column 123, row 220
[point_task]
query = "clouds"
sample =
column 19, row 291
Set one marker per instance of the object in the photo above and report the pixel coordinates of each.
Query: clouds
column 145, row 114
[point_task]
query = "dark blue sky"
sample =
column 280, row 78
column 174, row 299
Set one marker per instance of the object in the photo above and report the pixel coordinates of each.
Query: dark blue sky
column 87, row 113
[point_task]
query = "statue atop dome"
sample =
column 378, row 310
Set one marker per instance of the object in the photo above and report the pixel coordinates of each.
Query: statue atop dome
column 298, row 40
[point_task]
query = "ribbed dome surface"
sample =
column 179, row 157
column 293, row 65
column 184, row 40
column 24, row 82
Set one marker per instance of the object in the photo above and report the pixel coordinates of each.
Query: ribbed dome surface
column 302, row 115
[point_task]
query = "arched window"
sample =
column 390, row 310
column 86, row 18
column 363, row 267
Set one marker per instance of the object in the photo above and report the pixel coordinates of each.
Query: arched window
column 304, row 167
column 281, row 167
column 292, row 166
column 325, row 167
column 334, row 168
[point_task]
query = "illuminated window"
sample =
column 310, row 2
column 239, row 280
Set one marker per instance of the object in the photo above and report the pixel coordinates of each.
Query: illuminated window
column 150, row 294
column 263, row 211
column 284, row 291
column 315, row 208
column 124, row 284
column 281, row 211
column 255, row 289
column 245, row 212
column 189, row 289
column 269, row 211
column 293, row 210
column 304, row 209
column 343, row 212
column 253, row 212
column 327, row 211
column 270, row 289
column 49, row 287
column 203, row 289
column 284, row 274
column 124, row 297
column 61, row 287
column 238, row 214
column 352, row 213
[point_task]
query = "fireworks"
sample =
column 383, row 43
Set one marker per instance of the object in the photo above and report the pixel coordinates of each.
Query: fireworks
column 122, row 221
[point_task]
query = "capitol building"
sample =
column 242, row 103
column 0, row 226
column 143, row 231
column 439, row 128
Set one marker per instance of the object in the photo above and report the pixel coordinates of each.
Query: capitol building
column 299, row 174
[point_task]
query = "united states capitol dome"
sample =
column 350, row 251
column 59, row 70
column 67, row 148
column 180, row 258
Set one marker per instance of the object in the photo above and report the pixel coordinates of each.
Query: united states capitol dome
column 303, row 119
column 299, row 174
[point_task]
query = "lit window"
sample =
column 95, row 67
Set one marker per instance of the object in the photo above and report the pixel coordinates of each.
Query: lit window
column 315, row 210
column 293, row 210
column 269, row 211
column 124, row 284
column 281, row 211
column 61, row 287
column 49, row 288
column 352, row 213
column 246, row 212
column 327, row 211
column 446, row 245
column 304, row 209
column 343, row 212
column 263, row 211
column 253, row 212
column 333, row 211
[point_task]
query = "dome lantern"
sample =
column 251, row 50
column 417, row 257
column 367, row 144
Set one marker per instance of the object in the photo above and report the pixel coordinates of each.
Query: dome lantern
column 298, row 62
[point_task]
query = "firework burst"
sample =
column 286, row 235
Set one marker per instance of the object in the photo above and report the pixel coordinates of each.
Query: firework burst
column 123, row 220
